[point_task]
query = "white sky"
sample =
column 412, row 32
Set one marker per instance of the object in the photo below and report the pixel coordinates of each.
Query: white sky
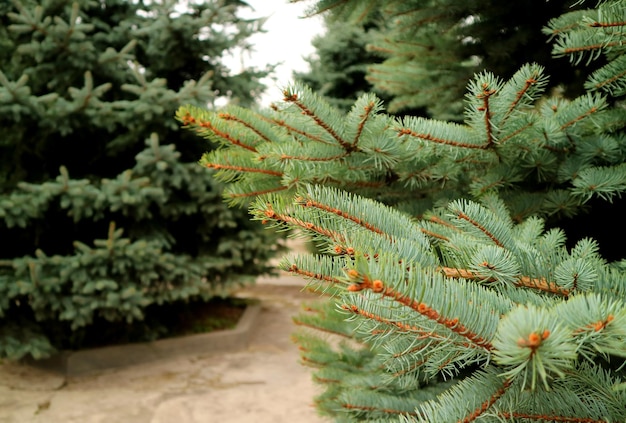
column 287, row 41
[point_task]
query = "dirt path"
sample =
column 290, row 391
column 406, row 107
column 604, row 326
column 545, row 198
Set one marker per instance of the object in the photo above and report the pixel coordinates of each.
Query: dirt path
column 264, row 383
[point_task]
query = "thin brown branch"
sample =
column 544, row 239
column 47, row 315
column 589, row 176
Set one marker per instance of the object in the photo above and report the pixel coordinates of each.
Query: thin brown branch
column 579, row 118
column 422, row 308
column 606, row 24
column 298, row 131
column 574, row 50
column 365, row 116
column 293, row 98
column 487, row 404
column 485, row 95
column 440, row 221
column 595, row 326
column 243, row 169
column 429, row 137
column 522, row 281
column 518, row 97
column 308, row 274
column 313, row 159
column 335, row 236
column 512, row 134
column 190, row 120
column 477, row 225
column 421, row 334
column 434, row 234
column 228, row 116
column 326, row 380
column 610, row 80
column 338, row 212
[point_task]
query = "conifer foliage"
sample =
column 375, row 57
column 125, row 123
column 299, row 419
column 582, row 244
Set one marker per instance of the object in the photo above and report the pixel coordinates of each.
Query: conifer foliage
column 428, row 50
column 104, row 211
column 447, row 298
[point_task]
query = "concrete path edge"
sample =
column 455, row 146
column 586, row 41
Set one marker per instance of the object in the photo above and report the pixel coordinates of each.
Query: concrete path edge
column 89, row 361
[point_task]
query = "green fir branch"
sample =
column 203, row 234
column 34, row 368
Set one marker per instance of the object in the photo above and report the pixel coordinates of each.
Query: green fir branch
column 610, row 78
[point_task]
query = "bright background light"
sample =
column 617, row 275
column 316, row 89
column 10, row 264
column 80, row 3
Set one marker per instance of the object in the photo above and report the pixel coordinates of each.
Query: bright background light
column 286, row 42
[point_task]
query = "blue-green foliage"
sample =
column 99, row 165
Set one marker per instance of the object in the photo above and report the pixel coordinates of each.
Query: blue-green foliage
column 104, row 210
column 447, row 295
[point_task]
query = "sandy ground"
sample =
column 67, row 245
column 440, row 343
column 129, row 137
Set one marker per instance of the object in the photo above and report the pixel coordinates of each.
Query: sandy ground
column 263, row 383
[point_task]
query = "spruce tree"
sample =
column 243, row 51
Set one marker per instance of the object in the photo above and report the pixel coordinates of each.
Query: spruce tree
column 105, row 215
column 451, row 298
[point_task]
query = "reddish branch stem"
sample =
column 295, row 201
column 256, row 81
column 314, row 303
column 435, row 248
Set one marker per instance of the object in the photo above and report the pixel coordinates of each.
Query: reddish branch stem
column 491, row 236
column 295, row 269
column 606, row 24
column 293, row 98
column 190, row 120
column 243, row 169
column 228, row 116
column 611, row 80
column 311, row 203
column 485, row 95
column 487, row 404
column 579, row 118
column 518, row 131
column 453, row 324
column 298, row 131
column 518, row 97
column 271, row 214
column 525, row 281
column 365, row 116
column 429, row 137
column 313, row 159
column 573, row 50
column 434, row 235
column 402, row 326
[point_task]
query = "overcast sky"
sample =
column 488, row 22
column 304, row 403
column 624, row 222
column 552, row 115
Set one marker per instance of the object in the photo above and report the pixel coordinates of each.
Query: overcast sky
column 287, row 41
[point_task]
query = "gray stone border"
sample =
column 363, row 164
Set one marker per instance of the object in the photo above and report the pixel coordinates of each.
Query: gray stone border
column 83, row 362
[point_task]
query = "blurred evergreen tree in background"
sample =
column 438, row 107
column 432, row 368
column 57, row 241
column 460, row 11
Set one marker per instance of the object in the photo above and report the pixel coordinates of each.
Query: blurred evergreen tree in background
column 104, row 211
column 418, row 55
